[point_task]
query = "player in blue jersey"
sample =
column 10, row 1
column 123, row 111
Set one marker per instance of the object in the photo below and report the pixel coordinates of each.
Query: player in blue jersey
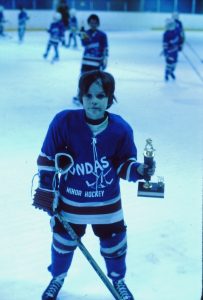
column 56, row 31
column 22, row 20
column 95, row 45
column 63, row 8
column 93, row 149
column 73, row 27
column 180, row 29
column 2, row 21
column 171, row 45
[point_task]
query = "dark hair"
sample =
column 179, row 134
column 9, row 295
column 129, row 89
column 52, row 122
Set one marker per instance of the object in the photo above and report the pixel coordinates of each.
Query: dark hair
column 93, row 17
column 107, row 80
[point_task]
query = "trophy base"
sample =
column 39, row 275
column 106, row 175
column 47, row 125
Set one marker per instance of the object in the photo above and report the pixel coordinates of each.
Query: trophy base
column 156, row 190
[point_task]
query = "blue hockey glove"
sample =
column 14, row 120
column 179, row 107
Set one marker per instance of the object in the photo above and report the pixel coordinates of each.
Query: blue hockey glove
column 145, row 170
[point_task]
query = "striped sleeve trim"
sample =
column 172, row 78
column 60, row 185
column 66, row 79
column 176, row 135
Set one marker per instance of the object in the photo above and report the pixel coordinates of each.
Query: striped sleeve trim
column 47, row 172
column 45, row 161
column 129, row 170
column 48, row 156
column 124, row 169
column 46, row 168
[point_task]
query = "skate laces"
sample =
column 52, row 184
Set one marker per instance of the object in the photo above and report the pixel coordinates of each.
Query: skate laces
column 54, row 286
column 122, row 290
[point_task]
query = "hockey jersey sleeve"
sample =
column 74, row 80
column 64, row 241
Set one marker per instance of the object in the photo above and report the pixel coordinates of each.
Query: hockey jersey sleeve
column 126, row 162
column 51, row 161
column 104, row 45
column 54, row 157
column 53, row 144
column 45, row 197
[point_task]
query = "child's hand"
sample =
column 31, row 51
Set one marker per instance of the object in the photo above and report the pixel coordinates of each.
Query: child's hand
column 144, row 169
column 83, row 35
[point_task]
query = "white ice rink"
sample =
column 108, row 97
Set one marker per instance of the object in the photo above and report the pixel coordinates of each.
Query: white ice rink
column 164, row 235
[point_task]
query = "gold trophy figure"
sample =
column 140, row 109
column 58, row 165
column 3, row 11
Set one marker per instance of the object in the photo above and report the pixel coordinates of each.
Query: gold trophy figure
column 147, row 188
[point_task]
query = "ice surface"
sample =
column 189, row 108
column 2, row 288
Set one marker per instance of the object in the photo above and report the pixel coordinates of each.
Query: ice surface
column 164, row 235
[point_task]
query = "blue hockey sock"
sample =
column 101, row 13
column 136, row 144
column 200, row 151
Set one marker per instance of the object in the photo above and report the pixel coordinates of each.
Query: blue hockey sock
column 116, row 267
column 113, row 249
column 60, row 262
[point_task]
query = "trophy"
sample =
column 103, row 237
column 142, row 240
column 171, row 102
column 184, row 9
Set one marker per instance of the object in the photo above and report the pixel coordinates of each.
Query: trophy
column 147, row 188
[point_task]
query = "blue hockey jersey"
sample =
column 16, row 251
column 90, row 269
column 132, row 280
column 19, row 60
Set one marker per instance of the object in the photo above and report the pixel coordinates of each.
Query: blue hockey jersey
column 171, row 42
column 90, row 191
column 22, row 18
column 96, row 47
column 56, row 31
column 73, row 23
column 2, row 19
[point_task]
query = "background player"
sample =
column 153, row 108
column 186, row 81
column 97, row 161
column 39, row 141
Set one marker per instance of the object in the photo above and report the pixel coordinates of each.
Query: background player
column 22, row 20
column 73, row 27
column 56, row 31
column 171, row 45
column 95, row 45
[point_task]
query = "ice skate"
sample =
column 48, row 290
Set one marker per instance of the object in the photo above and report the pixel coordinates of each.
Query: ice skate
column 123, row 290
column 166, row 76
column 172, row 76
column 54, row 59
column 53, row 288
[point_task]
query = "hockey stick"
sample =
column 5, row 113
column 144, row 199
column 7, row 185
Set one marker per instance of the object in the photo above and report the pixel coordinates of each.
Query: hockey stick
column 193, row 67
column 89, row 257
column 194, row 51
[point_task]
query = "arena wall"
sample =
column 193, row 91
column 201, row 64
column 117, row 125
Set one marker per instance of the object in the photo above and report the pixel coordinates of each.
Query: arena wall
column 110, row 21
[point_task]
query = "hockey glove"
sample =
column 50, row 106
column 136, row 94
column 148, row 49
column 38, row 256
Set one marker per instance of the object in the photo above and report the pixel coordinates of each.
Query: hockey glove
column 145, row 170
column 83, row 35
column 46, row 195
column 46, row 200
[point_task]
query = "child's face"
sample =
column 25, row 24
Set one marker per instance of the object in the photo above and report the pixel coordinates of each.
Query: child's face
column 95, row 101
column 93, row 24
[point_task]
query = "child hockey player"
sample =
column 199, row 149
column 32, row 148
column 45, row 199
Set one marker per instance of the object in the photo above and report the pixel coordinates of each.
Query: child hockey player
column 2, row 21
column 95, row 45
column 100, row 150
column 56, row 31
column 171, row 44
column 22, row 20
column 180, row 29
column 63, row 9
column 73, row 26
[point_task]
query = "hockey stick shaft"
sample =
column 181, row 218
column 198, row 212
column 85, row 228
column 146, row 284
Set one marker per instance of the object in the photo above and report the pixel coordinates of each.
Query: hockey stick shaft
column 193, row 67
column 89, row 257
